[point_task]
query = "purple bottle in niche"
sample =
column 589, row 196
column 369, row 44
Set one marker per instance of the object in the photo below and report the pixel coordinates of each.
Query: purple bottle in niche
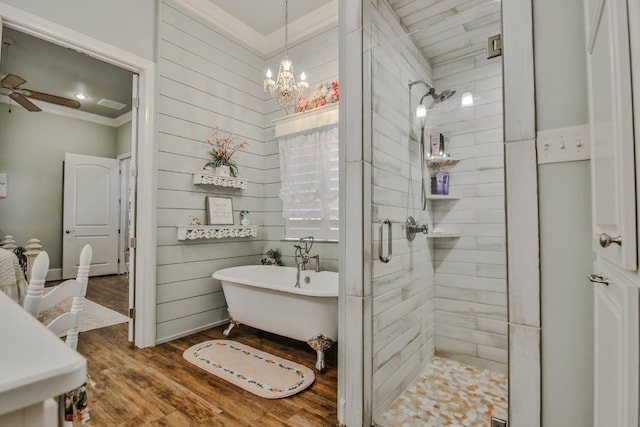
column 440, row 183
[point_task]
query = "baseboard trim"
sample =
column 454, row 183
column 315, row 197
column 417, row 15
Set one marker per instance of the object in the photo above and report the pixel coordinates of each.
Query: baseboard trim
column 191, row 331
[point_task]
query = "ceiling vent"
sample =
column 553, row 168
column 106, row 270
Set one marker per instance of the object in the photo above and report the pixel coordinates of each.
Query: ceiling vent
column 111, row 104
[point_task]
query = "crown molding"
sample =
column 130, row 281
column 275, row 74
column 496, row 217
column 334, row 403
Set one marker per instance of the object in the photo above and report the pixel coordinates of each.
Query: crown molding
column 299, row 30
column 71, row 113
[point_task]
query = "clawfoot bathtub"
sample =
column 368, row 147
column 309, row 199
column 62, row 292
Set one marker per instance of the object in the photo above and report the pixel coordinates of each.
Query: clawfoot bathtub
column 265, row 297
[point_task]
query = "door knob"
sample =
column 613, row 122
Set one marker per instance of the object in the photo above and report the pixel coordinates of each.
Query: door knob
column 67, row 231
column 606, row 240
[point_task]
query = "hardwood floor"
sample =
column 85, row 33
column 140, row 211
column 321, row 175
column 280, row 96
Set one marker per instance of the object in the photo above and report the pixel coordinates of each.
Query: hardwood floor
column 111, row 291
column 157, row 387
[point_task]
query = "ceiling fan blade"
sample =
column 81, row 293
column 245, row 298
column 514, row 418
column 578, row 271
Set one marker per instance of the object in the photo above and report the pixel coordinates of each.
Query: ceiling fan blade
column 72, row 103
column 13, row 81
column 24, row 102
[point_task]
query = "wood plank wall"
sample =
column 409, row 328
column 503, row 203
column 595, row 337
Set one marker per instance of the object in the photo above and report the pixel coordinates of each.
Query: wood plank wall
column 403, row 289
column 206, row 79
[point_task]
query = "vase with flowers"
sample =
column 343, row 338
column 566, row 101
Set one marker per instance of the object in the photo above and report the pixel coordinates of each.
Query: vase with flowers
column 221, row 151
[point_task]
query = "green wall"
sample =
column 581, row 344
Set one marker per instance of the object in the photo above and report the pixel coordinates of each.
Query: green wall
column 32, row 147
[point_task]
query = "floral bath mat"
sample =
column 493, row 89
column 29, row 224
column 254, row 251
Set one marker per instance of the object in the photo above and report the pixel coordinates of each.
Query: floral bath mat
column 256, row 371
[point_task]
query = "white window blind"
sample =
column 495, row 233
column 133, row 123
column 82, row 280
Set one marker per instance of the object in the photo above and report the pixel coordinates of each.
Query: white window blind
column 309, row 173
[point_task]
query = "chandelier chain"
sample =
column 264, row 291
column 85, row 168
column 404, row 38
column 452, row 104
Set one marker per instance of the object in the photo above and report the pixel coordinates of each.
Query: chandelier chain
column 286, row 28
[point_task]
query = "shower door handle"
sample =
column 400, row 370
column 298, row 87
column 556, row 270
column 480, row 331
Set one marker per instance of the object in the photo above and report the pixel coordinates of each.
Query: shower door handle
column 381, row 224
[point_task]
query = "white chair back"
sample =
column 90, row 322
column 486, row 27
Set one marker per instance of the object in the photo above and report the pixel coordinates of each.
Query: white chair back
column 35, row 302
column 33, row 297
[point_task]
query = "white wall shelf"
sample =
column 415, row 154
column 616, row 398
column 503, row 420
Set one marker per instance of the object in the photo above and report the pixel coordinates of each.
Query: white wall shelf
column 441, row 197
column 216, row 231
column 442, row 235
column 221, row 181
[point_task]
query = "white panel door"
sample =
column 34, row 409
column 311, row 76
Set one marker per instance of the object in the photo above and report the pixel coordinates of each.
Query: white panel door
column 611, row 120
column 616, row 351
column 91, row 213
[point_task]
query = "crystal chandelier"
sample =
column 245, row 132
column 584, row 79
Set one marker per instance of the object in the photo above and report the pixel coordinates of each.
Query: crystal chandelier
column 284, row 89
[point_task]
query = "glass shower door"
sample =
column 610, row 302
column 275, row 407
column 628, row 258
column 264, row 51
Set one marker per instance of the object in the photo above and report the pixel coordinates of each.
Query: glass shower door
column 439, row 300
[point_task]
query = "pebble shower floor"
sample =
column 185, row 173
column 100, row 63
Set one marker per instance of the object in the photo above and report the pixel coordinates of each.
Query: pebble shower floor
column 450, row 393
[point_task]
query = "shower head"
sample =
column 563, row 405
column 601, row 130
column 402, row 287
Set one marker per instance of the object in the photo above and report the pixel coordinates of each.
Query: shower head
column 446, row 94
column 421, row 111
column 438, row 97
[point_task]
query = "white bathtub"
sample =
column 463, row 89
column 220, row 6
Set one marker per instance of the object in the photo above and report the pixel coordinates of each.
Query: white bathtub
column 265, row 297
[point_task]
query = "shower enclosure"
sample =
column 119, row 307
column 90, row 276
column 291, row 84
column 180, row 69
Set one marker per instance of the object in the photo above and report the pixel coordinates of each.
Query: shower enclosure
column 438, row 301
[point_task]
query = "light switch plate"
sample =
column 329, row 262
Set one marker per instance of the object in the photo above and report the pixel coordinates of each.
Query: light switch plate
column 568, row 144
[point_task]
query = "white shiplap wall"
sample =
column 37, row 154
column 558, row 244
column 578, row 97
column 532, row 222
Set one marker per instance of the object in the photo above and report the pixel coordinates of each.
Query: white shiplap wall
column 205, row 80
column 470, row 271
column 403, row 289
column 318, row 58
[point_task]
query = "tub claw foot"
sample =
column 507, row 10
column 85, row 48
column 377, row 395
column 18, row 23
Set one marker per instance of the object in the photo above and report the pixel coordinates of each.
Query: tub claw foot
column 232, row 323
column 320, row 343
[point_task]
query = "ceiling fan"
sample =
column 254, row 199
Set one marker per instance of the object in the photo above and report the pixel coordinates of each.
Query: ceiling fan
column 11, row 86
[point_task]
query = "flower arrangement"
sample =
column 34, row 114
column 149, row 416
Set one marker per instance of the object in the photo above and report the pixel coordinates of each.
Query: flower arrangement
column 324, row 94
column 273, row 257
column 222, row 150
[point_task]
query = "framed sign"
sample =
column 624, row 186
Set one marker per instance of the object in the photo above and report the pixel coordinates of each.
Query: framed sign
column 219, row 211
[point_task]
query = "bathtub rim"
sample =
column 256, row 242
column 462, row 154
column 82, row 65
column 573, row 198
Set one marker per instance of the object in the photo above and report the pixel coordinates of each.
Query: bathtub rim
column 224, row 276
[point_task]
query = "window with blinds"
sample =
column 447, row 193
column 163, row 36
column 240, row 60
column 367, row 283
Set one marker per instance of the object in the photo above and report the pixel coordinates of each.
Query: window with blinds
column 309, row 173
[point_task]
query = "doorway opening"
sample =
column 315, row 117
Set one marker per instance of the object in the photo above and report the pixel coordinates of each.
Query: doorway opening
column 143, row 331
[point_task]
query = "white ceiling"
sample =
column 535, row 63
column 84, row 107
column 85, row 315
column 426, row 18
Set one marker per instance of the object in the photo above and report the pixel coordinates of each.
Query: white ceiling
column 267, row 16
column 259, row 24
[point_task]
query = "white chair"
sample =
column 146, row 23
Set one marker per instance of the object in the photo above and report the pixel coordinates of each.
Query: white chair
column 68, row 322
column 35, row 302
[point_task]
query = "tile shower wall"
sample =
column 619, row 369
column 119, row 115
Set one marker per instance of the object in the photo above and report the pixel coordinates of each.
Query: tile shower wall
column 318, row 58
column 402, row 292
column 470, row 271
column 205, row 80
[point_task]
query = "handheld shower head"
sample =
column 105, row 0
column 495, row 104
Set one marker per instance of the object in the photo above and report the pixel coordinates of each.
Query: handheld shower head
column 421, row 114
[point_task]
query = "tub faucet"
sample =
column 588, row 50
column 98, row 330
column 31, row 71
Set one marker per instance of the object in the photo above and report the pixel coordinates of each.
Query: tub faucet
column 317, row 258
column 302, row 256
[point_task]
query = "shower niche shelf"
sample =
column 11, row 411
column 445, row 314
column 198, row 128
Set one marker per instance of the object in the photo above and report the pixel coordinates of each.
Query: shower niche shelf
column 441, row 197
column 442, row 235
column 438, row 163
column 220, row 181
column 435, row 198
column 216, row 231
